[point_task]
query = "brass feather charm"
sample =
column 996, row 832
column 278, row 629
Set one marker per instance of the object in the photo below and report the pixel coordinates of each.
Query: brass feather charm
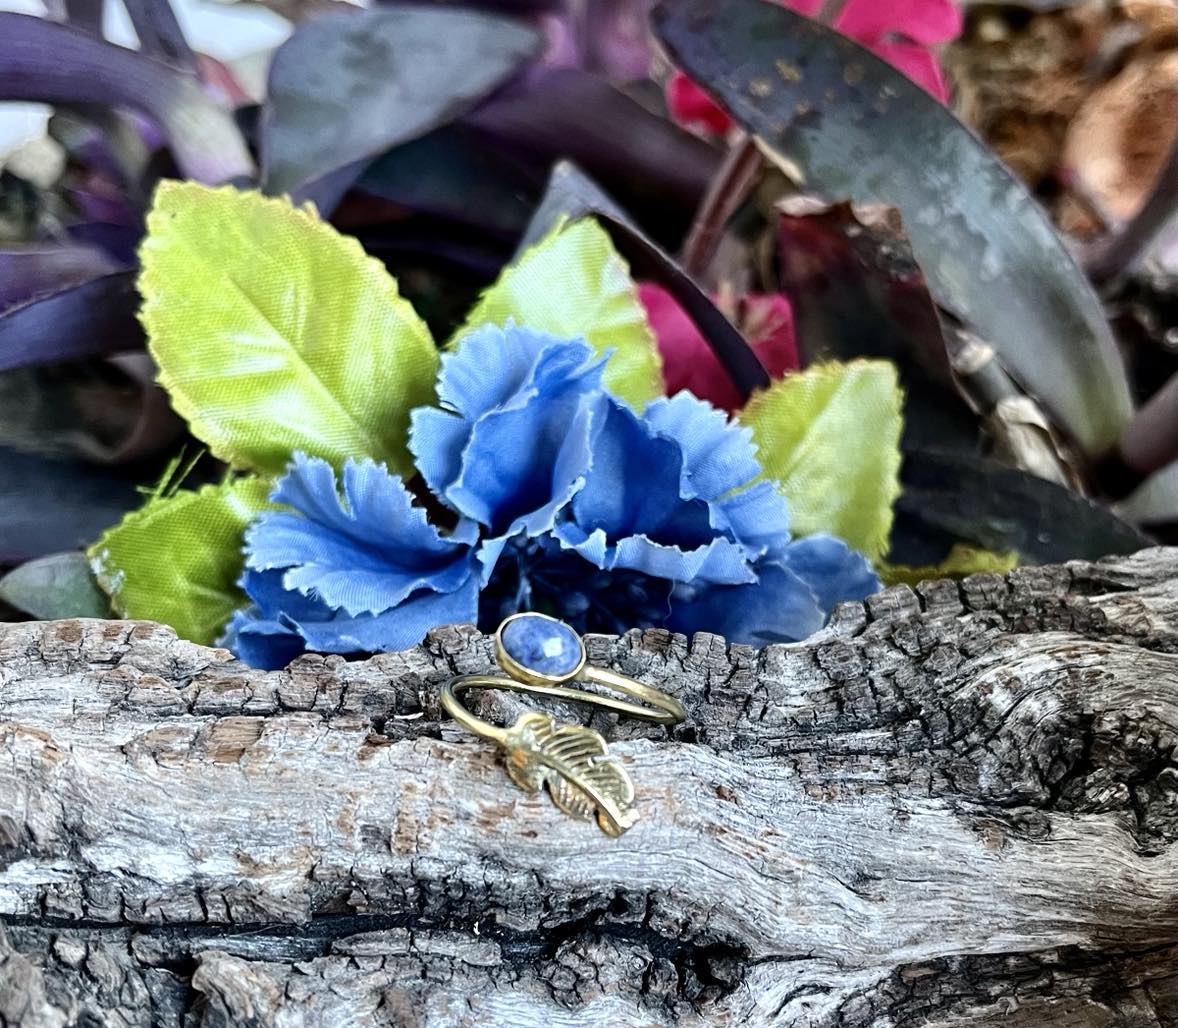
column 574, row 762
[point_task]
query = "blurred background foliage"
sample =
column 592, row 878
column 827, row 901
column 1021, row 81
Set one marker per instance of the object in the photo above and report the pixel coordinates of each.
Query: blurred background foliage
column 783, row 194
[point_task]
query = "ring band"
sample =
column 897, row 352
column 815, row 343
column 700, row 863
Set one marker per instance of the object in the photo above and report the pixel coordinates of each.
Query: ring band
column 539, row 654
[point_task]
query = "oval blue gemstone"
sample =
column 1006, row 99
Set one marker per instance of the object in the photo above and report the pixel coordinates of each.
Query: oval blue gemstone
column 540, row 645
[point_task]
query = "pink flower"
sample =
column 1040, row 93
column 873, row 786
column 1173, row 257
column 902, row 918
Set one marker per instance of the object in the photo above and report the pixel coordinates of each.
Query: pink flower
column 692, row 108
column 899, row 31
column 765, row 320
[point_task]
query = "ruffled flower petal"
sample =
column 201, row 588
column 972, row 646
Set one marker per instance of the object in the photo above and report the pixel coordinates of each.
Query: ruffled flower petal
column 634, row 486
column 362, row 552
column 790, row 600
column 778, row 607
column 396, row 629
column 261, row 643
column 718, row 456
column 521, row 466
column 512, row 443
column 834, row 571
column 588, row 510
column 282, row 624
column 759, row 517
column 719, row 460
column 514, row 352
column 272, row 599
column 719, row 561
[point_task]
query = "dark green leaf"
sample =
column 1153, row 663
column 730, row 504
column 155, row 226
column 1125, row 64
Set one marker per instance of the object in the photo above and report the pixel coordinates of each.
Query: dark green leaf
column 858, row 129
column 948, row 498
column 351, row 84
column 48, row 505
column 57, row 586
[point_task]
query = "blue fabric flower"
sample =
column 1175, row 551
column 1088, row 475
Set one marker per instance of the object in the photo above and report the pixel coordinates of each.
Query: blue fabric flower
column 510, row 444
column 357, row 573
column 563, row 500
column 669, row 494
column 794, row 592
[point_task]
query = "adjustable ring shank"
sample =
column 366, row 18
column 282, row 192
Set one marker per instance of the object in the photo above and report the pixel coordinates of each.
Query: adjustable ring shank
column 661, row 709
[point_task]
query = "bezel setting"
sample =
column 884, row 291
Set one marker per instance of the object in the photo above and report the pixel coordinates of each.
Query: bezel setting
column 522, row 672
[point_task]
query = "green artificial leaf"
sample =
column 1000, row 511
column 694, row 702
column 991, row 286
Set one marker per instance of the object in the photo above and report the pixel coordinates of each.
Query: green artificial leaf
column 177, row 559
column 574, row 283
column 830, row 436
column 962, row 560
column 274, row 333
column 858, row 129
column 59, row 585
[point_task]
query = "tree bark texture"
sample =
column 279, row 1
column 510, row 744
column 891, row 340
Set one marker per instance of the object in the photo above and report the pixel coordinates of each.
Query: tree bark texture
column 955, row 806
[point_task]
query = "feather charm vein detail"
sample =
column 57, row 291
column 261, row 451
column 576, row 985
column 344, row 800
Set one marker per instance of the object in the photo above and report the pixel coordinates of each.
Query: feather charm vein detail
column 574, row 762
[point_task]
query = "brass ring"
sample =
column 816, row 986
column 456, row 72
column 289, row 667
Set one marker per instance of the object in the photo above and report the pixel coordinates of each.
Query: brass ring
column 539, row 655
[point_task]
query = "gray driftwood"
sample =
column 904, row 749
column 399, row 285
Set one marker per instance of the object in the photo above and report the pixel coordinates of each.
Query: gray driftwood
column 957, row 806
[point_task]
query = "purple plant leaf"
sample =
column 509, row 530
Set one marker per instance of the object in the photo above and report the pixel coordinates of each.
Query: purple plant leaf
column 32, row 271
column 104, row 410
column 94, row 317
column 856, row 291
column 349, row 85
column 406, row 244
column 328, row 190
column 85, row 14
column 160, row 34
column 947, row 497
column 520, row 8
column 448, row 174
column 645, row 161
column 51, row 63
column 118, row 241
column 618, row 39
column 108, row 152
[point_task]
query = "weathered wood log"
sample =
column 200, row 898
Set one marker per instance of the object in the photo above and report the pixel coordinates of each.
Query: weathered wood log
column 955, row 806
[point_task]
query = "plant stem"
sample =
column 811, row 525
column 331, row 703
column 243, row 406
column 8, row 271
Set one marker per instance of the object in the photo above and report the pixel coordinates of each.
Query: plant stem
column 726, row 192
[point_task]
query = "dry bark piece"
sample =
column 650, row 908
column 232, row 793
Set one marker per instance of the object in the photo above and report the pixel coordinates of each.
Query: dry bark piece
column 957, row 805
